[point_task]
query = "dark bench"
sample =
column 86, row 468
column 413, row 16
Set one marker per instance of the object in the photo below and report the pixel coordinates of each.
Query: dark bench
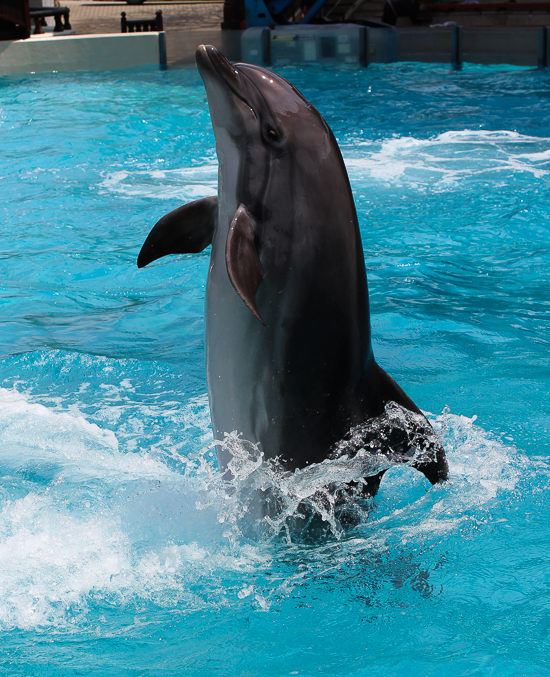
column 57, row 12
column 141, row 25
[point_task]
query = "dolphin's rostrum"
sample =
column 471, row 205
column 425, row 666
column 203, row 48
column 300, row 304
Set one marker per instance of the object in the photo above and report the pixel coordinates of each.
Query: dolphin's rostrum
column 288, row 339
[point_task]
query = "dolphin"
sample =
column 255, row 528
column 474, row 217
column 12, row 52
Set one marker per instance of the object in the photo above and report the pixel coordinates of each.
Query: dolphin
column 289, row 357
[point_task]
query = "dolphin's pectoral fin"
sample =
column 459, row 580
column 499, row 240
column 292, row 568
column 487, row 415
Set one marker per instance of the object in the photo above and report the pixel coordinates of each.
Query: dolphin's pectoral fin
column 402, row 436
column 424, row 452
column 185, row 230
column 243, row 265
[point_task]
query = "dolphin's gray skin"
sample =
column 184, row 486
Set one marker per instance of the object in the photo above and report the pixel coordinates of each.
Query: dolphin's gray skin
column 288, row 341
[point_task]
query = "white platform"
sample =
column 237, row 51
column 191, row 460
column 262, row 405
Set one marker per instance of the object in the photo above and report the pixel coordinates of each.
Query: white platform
column 82, row 52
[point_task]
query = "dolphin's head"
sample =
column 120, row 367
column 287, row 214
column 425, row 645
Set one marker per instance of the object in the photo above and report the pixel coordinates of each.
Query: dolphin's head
column 259, row 116
column 283, row 190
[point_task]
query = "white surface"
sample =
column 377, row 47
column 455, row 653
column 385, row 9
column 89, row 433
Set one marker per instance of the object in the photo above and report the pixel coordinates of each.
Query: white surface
column 79, row 52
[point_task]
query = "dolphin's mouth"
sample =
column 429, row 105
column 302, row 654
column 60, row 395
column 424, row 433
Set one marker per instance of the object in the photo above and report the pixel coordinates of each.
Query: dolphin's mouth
column 213, row 63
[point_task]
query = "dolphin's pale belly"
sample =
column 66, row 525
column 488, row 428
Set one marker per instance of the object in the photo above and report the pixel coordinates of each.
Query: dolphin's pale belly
column 231, row 356
column 293, row 389
column 235, row 345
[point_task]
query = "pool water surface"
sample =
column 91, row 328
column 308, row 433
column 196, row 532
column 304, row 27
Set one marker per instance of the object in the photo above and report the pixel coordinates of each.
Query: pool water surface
column 119, row 554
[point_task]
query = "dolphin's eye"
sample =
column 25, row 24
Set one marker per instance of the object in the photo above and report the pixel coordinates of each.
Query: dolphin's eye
column 271, row 134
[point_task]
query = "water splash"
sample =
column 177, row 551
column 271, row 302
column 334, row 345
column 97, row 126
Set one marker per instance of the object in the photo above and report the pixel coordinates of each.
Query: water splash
column 263, row 500
column 86, row 527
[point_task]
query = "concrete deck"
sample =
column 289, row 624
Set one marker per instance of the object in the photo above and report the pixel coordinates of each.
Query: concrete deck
column 104, row 17
column 187, row 23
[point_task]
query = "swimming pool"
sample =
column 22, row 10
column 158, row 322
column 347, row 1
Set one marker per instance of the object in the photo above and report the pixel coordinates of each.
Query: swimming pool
column 117, row 555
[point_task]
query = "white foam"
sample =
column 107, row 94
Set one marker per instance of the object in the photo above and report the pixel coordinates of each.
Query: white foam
column 68, row 440
column 447, row 158
column 51, row 559
column 185, row 184
column 83, row 521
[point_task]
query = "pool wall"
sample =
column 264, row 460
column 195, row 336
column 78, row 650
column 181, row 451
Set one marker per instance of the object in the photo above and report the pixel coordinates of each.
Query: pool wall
column 82, row 53
column 356, row 45
column 182, row 44
column 511, row 45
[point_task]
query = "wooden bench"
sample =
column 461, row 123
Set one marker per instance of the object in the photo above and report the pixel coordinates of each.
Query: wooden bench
column 141, row 25
column 57, row 12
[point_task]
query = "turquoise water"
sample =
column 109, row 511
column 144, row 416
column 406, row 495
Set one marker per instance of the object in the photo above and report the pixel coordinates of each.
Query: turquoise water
column 119, row 552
